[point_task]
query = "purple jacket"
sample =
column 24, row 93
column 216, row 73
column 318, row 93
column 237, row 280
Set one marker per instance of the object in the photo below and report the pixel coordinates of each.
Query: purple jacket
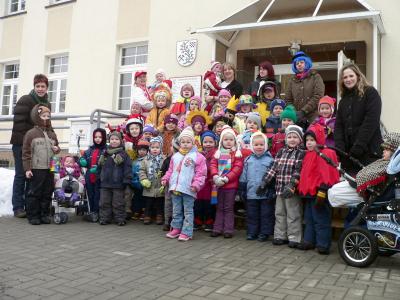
column 329, row 127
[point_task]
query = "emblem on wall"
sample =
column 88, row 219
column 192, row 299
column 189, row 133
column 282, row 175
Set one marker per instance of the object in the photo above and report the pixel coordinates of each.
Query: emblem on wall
column 186, row 52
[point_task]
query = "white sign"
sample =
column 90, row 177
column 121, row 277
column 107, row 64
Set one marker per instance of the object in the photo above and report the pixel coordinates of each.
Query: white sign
column 178, row 82
column 186, row 52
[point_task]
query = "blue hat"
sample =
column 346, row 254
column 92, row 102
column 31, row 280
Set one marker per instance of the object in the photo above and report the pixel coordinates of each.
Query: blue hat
column 210, row 134
column 276, row 102
column 298, row 57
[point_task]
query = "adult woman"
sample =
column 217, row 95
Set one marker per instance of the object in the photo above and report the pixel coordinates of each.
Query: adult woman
column 21, row 124
column 140, row 92
column 230, row 83
column 266, row 73
column 357, row 129
column 305, row 88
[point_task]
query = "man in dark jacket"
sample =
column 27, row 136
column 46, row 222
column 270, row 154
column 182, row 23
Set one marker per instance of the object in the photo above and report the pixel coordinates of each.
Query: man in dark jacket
column 21, row 124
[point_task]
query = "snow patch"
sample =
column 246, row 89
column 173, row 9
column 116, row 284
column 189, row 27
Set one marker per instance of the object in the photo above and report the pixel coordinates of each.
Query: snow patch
column 6, row 190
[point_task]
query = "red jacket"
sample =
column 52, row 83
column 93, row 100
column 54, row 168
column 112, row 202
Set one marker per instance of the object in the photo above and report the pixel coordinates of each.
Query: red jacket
column 278, row 142
column 233, row 175
column 205, row 192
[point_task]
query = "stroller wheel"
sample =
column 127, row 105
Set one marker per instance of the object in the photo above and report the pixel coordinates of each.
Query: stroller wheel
column 64, row 217
column 358, row 247
column 57, row 218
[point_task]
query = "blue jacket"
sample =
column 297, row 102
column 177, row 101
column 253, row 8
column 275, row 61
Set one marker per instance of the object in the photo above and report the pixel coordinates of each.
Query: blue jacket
column 253, row 170
column 135, row 183
column 273, row 124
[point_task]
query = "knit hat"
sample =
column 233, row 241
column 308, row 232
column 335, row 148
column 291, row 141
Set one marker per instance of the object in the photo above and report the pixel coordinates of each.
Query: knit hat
column 296, row 130
column 391, row 141
column 198, row 100
column 278, row 102
column 255, row 117
column 116, row 134
column 171, row 118
column 163, row 91
column 258, row 134
column 149, row 128
column 244, row 100
column 137, row 105
column 198, row 116
column 187, row 132
column 140, row 73
column 327, row 100
column 225, row 131
column 214, row 63
column 134, row 120
column 157, row 139
column 289, row 113
column 143, row 144
column 301, row 56
column 224, row 92
column 210, row 134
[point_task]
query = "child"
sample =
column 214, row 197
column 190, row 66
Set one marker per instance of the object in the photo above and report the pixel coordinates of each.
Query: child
column 89, row 160
column 212, row 84
column 204, row 211
column 134, row 130
column 260, row 209
column 245, row 105
column 316, row 177
column 199, row 121
column 160, row 77
column 286, row 171
column 135, row 188
column 182, row 104
column 169, row 132
column 218, row 123
column 162, row 101
column 149, row 175
column 326, row 109
column 149, row 132
column 39, row 145
column 253, row 124
column 116, row 174
column 219, row 107
column 186, row 176
column 226, row 167
column 268, row 92
column 288, row 117
column 274, row 120
column 194, row 104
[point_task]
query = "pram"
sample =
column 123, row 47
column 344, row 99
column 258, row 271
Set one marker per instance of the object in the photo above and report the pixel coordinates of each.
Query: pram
column 376, row 228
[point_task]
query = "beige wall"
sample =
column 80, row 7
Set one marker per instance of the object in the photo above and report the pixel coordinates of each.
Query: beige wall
column 133, row 20
column 11, row 29
column 59, row 27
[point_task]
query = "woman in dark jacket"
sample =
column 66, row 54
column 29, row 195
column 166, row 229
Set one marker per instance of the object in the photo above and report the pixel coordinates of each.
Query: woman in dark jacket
column 266, row 73
column 230, row 83
column 357, row 129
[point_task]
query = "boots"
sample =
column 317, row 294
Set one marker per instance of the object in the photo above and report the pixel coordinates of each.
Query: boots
column 147, row 220
column 159, row 220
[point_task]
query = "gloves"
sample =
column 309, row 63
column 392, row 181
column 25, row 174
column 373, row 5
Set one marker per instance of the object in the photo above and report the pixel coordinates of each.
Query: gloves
column 288, row 191
column 225, row 179
column 219, row 181
column 75, row 197
column 93, row 169
column 145, row 183
column 60, row 194
column 161, row 190
column 321, row 197
column 261, row 190
column 82, row 162
column 356, row 151
column 300, row 115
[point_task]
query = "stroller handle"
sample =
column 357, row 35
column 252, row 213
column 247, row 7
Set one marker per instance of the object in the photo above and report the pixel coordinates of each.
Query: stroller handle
column 345, row 154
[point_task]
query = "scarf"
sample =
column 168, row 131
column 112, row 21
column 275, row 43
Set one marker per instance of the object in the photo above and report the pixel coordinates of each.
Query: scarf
column 155, row 165
column 302, row 75
column 93, row 160
column 224, row 162
column 371, row 175
column 114, row 154
column 39, row 100
column 183, row 152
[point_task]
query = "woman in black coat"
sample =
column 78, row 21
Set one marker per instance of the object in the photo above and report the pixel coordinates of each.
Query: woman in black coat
column 230, row 83
column 357, row 129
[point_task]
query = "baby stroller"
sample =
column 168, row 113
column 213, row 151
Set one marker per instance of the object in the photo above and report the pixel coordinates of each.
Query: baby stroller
column 376, row 228
column 69, row 196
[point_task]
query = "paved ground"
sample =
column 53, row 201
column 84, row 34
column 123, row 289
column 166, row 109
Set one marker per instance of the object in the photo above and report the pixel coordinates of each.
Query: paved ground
column 87, row 261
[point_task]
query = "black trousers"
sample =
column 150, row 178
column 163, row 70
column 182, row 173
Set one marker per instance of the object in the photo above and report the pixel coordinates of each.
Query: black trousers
column 154, row 206
column 40, row 190
column 112, row 205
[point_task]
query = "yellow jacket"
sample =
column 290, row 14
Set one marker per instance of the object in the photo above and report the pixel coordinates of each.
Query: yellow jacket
column 156, row 117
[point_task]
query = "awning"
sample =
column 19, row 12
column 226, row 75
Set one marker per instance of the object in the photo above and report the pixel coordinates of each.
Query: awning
column 269, row 13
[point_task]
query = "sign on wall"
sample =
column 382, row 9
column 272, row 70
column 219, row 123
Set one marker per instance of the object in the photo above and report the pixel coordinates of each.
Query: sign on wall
column 186, row 52
column 177, row 83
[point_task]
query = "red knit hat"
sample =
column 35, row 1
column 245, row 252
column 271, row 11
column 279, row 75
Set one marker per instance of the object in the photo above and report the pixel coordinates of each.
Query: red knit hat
column 327, row 100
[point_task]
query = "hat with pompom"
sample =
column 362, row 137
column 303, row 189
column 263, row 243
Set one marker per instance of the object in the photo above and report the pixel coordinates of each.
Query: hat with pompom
column 289, row 113
column 226, row 130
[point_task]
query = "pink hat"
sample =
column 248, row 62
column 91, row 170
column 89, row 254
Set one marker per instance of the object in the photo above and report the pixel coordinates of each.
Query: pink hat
column 198, row 99
column 224, row 92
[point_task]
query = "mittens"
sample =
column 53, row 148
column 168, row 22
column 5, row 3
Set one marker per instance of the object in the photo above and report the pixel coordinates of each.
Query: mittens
column 145, row 183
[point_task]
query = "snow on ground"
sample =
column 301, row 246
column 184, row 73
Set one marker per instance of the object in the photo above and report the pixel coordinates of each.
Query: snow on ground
column 6, row 185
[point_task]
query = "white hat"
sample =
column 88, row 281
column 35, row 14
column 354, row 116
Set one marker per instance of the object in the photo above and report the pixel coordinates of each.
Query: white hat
column 258, row 134
column 227, row 130
column 187, row 132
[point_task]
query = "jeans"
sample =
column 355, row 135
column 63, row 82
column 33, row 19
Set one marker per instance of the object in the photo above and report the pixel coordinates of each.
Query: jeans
column 182, row 213
column 93, row 192
column 18, row 197
column 260, row 216
column 318, row 224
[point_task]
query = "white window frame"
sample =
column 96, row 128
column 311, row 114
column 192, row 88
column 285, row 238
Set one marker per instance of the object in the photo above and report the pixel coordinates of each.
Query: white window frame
column 129, row 69
column 13, row 83
column 58, row 77
column 57, row 1
column 19, row 9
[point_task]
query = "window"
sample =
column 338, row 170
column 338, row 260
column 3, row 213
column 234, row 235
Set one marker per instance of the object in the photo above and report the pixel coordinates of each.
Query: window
column 57, row 92
column 9, row 90
column 132, row 59
column 16, row 6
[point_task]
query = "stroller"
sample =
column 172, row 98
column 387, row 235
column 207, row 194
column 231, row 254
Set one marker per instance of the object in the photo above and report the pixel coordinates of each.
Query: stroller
column 376, row 228
column 69, row 196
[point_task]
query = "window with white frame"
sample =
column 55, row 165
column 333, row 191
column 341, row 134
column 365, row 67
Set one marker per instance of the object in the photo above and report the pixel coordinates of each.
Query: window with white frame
column 132, row 59
column 16, row 6
column 57, row 92
column 9, row 88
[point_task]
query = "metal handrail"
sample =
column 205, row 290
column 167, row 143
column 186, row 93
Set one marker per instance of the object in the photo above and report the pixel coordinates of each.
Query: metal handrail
column 108, row 112
column 53, row 117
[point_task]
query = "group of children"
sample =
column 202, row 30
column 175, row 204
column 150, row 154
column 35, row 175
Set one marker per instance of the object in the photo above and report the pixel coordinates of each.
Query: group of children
column 184, row 164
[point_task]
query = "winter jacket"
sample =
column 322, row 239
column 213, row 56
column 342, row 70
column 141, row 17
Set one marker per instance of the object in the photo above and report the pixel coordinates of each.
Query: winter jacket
column 154, row 190
column 205, row 192
column 135, row 183
column 22, row 118
column 115, row 176
column 36, row 149
column 304, row 94
column 329, row 128
column 254, row 166
column 358, row 124
column 278, row 142
column 156, row 117
column 186, row 171
column 212, row 83
column 233, row 175
column 87, row 155
column 272, row 126
column 235, row 88
column 255, row 86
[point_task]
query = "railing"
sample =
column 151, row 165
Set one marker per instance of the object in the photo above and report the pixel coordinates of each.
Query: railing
column 99, row 112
